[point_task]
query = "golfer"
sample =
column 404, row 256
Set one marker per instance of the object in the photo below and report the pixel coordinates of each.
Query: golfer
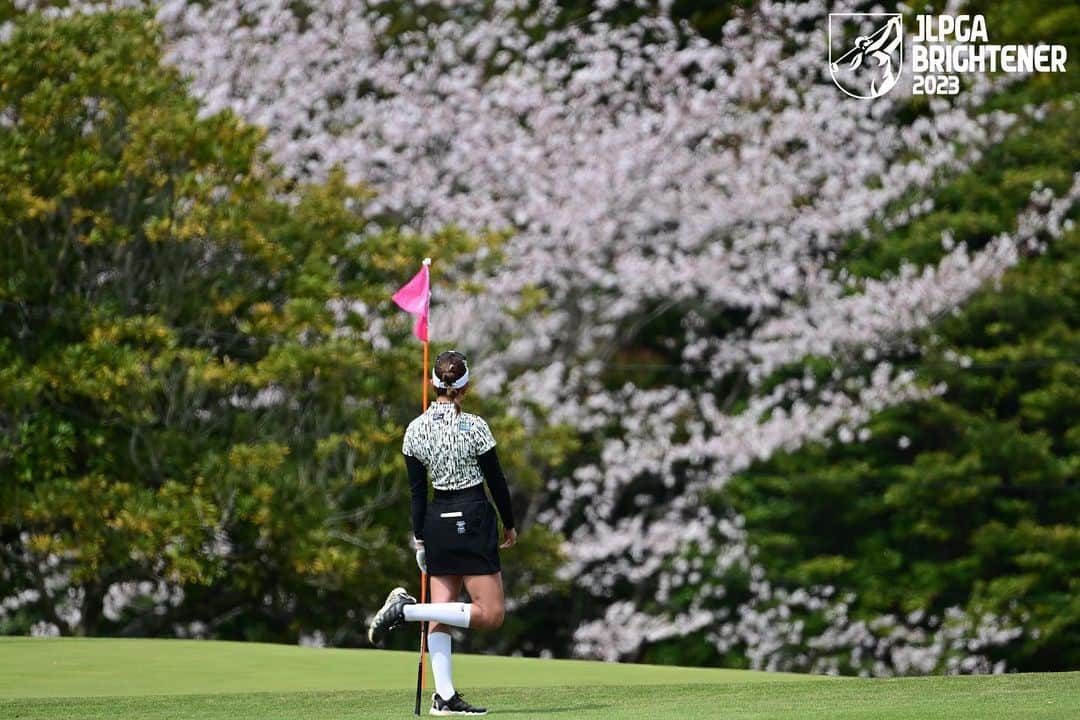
column 456, row 536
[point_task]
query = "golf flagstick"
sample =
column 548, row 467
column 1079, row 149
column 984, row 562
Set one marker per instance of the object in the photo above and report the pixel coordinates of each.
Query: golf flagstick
column 423, row 645
column 423, row 575
column 415, row 297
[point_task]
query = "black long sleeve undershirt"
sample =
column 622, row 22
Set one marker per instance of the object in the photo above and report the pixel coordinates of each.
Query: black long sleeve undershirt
column 500, row 493
column 418, row 487
column 496, row 481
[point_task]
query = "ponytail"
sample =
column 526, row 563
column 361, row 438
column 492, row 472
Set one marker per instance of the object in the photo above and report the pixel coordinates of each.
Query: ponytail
column 450, row 375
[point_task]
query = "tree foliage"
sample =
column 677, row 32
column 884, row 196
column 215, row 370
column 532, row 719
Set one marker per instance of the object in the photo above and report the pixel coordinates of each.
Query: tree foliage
column 201, row 396
column 968, row 499
column 817, row 355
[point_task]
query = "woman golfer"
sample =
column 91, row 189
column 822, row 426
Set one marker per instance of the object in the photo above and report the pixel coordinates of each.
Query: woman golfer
column 456, row 535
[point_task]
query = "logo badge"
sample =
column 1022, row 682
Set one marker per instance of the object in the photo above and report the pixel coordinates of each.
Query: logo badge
column 866, row 52
column 460, row 527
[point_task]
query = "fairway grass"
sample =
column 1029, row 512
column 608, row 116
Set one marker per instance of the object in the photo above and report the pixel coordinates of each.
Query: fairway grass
column 177, row 680
column 81, row 667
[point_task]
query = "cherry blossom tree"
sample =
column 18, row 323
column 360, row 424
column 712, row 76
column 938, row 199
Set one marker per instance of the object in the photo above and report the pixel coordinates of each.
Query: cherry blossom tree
column 646, row 175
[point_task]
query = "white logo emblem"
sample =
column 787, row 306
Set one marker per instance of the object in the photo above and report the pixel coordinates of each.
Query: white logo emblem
column 871, row 65
column 460, row 527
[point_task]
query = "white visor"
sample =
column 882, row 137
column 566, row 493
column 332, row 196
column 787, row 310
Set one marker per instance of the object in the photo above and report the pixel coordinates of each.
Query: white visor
column 457, row 384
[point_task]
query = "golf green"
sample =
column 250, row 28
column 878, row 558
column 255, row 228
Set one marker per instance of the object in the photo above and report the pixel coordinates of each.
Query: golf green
column 78, row 667
column 50, row 679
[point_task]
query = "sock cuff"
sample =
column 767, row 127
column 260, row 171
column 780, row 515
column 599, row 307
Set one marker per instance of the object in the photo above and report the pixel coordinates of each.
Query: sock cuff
column 453, row 613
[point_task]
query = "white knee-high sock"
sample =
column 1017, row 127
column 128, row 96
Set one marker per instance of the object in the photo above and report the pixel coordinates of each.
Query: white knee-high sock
column 452, row 613
column 439, row 645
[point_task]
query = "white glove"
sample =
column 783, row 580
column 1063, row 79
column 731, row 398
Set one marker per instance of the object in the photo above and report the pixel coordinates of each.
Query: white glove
column 421, row 556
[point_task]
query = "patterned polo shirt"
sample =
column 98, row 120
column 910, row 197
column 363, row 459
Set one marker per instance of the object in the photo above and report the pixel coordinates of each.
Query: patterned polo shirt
column 448, row 443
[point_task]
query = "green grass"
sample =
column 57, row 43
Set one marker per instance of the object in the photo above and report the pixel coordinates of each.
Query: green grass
column 119, row 679
column 75, row 667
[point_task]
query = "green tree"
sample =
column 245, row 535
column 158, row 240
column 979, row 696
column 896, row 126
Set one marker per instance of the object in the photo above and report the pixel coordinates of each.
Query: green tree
column 969, row 500
column 203, row 384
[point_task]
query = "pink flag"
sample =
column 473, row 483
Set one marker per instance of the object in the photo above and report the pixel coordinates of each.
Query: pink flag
column 413, row 298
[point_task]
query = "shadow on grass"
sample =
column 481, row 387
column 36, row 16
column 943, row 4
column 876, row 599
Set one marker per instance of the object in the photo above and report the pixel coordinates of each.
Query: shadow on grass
column 549, row 710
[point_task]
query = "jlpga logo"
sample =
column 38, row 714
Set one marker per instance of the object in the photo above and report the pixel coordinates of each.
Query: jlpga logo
column 870, row 65
column 866, row 53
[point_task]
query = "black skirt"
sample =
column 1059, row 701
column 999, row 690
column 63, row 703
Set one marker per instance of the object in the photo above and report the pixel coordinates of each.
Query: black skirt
column 461, row 534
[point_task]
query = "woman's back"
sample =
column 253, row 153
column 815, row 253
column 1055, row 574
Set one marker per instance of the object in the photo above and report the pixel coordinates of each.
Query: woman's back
column 448, row 443
column 456, row 534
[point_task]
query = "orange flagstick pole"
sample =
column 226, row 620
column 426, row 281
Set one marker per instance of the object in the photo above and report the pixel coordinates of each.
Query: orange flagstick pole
column 423, row 575
column 414, row 297
column 421, row 681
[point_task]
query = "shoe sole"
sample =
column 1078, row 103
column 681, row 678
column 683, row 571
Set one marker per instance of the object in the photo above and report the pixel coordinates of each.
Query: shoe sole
column 443, row 713
column 375, row 621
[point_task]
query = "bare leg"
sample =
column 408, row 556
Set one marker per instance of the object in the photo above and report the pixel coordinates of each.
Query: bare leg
column 486, row 593
column 444, row 588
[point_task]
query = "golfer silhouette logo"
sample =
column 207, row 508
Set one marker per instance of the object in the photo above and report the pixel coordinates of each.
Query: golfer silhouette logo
column 869, row 66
